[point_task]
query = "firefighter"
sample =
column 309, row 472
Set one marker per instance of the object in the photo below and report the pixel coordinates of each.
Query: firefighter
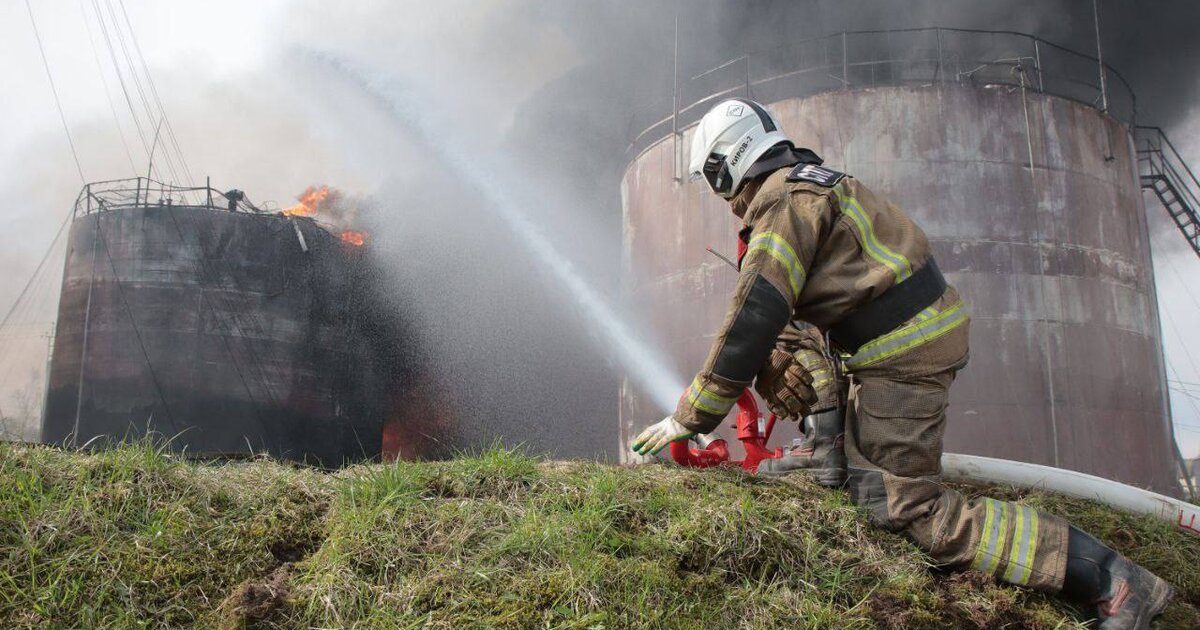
column 822, row 248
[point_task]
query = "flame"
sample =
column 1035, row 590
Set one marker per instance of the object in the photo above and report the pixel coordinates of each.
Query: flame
column 327, row 202
column 354, row 237
column 312, row 199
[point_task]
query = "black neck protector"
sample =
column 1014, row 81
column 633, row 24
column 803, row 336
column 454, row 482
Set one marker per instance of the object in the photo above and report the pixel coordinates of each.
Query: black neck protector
column 779, row 156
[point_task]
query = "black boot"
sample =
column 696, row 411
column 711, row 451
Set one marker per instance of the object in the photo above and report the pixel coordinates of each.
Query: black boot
column 1126, row 596
column 821, row 455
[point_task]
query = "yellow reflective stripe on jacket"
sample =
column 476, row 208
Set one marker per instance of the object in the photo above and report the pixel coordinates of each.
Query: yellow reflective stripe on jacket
column 778, row 248
column 708, row 402
column 1024, row 546
column 866, row 231
column 908, row 337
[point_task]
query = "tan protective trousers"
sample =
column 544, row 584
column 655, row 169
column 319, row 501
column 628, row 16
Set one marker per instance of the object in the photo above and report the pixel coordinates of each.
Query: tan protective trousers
column 894, row 425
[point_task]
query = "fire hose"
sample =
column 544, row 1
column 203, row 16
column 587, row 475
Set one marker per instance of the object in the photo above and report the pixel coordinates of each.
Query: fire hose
column 754, row 432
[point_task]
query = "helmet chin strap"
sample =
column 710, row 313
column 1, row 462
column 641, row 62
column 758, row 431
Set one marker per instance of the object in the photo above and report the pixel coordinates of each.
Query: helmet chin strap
column 737, row 161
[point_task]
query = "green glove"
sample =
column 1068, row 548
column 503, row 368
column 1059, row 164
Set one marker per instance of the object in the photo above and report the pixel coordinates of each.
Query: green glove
column 657, row 436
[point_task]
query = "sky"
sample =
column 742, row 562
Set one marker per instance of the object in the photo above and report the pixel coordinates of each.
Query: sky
column 241, row 83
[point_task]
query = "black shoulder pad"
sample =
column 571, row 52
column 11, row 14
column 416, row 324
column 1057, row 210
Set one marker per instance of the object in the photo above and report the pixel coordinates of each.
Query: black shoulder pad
column 816, row 174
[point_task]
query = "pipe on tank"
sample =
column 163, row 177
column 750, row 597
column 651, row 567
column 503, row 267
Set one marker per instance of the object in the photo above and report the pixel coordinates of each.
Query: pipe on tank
column 957, row 467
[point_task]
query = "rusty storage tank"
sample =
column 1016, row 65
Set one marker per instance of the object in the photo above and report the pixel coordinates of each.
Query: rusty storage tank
column 192, row 315
column 1018, row 162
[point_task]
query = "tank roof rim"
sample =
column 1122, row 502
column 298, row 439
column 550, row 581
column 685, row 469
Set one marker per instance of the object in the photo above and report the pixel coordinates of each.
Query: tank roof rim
column 642, row 150
column 746, row 87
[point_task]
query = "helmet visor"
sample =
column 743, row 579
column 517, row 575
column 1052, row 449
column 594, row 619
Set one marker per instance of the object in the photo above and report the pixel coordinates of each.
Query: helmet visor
column 716, row 173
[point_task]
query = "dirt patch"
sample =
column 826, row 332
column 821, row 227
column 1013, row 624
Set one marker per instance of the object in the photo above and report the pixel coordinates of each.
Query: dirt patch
column 995, row 611
column 294, row 543
column 289, row 551
column 257, row 599
column 954, row 605
column 889, row 611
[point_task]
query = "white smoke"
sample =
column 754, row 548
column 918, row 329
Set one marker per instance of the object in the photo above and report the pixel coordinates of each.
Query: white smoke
column 551, row 90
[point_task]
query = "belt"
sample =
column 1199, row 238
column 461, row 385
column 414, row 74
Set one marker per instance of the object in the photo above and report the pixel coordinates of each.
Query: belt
column 900, row 303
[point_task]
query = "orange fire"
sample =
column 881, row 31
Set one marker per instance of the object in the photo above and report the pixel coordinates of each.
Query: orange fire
column 310, row 201
column 354, row 238
column 335, row 213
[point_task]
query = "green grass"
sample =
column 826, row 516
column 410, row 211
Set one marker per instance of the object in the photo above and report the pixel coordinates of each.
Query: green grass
column 134, row 538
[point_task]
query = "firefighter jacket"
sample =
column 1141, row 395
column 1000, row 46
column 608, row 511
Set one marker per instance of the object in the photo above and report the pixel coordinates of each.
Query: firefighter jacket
column 819, row 244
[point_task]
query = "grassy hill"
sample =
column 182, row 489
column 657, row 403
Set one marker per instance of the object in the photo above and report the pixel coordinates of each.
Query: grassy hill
column 133, row 538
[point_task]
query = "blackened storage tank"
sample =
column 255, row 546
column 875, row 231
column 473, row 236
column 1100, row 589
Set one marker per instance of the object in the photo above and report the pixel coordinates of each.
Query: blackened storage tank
column 1021, row 169
column 228, row 330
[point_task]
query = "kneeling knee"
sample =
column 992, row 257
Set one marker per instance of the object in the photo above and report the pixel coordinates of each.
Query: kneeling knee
column 899, row 505
column 867, row 490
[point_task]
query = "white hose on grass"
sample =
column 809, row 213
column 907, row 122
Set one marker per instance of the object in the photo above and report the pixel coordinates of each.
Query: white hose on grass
column 1185, row 516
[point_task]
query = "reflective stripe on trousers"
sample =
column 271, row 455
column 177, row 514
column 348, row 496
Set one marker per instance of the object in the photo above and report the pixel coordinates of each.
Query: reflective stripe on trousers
column 924, row 329
column 1001, row 519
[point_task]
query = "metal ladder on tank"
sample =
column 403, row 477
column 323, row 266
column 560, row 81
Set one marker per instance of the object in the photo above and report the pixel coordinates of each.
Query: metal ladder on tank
column 1164, row 171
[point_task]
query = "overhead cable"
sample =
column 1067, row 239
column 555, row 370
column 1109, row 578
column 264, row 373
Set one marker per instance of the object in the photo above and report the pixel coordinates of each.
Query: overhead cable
column 54, row 90
column 187, row 171
column 137, row 123
column 37, row 270
column 158, row 118
column 104, row 82
column 154, row 121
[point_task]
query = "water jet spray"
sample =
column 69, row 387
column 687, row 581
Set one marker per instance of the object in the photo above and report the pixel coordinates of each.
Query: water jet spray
column 642, row 363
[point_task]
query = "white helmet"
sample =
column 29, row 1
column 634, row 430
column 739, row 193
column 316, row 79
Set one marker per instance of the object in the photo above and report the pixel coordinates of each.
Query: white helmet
column 727, row 142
